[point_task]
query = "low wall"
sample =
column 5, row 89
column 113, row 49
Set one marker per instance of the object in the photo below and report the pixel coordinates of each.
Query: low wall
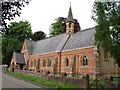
column 80, row 82
column 83, row 82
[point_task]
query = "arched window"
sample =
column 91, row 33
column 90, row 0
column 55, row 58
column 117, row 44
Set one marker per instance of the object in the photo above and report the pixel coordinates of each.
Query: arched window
column 34, row 63
column 67, row 61
column 85, row 60
column 55, row 63
column 49, row 63
column 30, row 63
column 44, row 63
column 105, row 55
column 38, row 63
column 70, row 25
column 74, row 61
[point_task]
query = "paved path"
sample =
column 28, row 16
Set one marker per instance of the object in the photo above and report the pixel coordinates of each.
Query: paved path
column 11, row 82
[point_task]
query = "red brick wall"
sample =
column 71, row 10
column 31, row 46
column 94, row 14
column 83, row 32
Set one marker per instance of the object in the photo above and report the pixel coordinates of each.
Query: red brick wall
column 60, row 67
column 46, row 57
column 89, row 52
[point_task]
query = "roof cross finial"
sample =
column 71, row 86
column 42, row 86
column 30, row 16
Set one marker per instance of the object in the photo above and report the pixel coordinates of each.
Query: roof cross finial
column 70, row 3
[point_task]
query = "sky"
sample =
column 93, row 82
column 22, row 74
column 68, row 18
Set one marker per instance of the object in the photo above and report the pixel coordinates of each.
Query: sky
column 42, row 13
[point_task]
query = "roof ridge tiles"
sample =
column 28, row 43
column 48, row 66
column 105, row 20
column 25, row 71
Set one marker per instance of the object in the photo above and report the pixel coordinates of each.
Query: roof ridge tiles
column 83, row 30
column 50, row 37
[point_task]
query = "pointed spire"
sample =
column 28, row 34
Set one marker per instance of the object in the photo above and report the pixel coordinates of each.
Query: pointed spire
column 70, row 16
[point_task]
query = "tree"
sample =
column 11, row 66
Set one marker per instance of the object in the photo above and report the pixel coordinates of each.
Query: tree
column 13, row 37
column 59, row 26
column 0, row 49
column 38, row 35
column 56, row 27
column 10, row 9
column 107, row 17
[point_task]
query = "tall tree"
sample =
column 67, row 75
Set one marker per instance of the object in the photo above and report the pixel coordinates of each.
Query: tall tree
column 13, row 37
column 107, row 17
column 57, row 27
column 0, row 49
column 10, row 9
column 38, row 35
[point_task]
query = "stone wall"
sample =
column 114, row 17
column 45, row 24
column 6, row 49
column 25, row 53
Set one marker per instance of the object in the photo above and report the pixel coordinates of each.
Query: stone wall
column 80, row 82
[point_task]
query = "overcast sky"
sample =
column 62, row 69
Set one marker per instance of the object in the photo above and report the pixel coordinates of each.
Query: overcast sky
column 41, row 13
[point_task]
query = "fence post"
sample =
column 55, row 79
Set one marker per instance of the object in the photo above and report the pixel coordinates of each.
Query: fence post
column 87, row 81
column 107, row 83
column 85, row 86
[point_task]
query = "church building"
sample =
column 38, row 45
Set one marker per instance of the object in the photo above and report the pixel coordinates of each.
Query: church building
column 70, row 53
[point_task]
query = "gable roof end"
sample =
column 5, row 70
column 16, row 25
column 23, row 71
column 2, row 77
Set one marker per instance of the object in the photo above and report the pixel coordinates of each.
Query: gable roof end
column 20, row 58
column 30, row 46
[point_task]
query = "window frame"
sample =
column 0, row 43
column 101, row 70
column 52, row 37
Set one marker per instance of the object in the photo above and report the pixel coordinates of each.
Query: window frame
column 49, row 63
column 44, row 63
column 66, row 62
column 84, row 60
column 70, row 25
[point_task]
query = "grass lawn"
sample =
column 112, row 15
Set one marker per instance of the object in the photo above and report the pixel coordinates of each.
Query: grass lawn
column 101, row 81
column 116, row 79
column 41, row 81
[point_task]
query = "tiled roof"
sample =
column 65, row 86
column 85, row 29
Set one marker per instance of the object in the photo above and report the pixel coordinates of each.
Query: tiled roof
column 30, row 46
column 20, row 58
column 81, row 39
column 51, row 44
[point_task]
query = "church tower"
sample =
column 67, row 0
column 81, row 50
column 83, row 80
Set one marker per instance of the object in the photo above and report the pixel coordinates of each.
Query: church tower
column 70, row 23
